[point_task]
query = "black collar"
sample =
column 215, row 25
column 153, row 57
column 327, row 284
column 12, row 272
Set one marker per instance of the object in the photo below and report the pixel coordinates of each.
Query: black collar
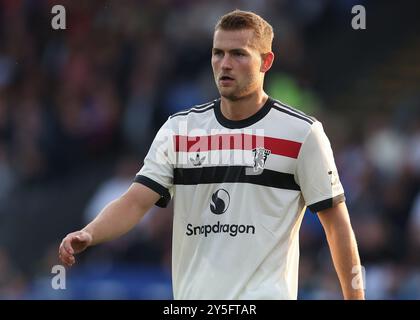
column 232, row 124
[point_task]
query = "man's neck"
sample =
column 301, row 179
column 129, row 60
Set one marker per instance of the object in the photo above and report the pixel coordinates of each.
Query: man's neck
column 242, row 108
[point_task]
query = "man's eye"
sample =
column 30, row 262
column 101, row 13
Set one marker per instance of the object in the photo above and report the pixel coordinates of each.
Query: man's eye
column 218, row 53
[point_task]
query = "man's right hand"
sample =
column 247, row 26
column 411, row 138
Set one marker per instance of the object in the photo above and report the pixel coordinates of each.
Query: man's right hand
column 109, row 225
column 72, row 244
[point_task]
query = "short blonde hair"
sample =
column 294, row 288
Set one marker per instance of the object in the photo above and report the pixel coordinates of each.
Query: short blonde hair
column 238, row 20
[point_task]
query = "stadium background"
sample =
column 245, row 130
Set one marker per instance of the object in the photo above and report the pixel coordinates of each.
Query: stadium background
column 79, row 107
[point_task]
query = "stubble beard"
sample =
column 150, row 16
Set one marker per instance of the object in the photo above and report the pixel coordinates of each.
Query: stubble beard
column 236, row 94
column 232, row 96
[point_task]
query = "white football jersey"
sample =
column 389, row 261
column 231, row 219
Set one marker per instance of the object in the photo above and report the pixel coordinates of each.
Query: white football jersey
column 240, row 190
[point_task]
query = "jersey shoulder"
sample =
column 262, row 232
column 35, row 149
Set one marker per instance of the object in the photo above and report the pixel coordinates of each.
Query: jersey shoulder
column 293, row 114
column 200, row 108
column 292, row 122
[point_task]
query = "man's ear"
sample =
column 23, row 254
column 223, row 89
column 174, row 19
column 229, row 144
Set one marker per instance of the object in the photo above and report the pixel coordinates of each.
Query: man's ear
column 267, row 61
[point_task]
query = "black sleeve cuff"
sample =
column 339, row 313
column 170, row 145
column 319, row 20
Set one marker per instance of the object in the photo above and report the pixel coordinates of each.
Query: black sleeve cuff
column 326, row 204
column 165, row 196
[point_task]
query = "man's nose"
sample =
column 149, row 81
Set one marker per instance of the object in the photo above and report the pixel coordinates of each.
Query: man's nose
column 226, row 62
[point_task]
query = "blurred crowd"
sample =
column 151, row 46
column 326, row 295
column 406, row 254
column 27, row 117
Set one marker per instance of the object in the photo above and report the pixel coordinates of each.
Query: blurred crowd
column 79, row 108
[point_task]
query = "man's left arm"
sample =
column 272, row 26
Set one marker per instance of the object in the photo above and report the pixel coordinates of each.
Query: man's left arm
column 343, row 248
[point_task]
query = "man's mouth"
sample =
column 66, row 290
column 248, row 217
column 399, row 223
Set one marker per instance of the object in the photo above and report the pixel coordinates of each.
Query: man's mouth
column 225, row 78
column 226, row 81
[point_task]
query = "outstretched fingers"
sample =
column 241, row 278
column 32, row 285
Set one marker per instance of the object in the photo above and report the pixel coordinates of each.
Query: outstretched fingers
column 66, row 252
column 72, row 244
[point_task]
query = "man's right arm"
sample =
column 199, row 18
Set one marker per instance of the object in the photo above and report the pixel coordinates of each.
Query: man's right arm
column 116, row 219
